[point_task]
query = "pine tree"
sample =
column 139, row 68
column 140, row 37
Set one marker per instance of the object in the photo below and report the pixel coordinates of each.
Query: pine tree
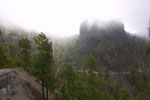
column 92, row 67
column 45, row 62
column 68, row 73
column 124, row 94
column 25, row 45
column 3, row 57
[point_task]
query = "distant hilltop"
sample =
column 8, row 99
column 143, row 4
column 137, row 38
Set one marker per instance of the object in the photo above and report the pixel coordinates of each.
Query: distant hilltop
column 100, row 29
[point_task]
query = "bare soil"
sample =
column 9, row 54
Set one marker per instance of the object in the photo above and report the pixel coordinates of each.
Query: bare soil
column 25, row 87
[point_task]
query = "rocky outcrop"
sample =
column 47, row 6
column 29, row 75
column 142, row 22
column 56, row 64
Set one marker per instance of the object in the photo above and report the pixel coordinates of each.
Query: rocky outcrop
column 6, row 90
column 110, row 44
column 16, row 84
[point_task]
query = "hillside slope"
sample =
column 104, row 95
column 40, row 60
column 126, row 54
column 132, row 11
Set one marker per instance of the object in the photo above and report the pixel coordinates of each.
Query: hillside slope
column 20, row 85
column 110, row 44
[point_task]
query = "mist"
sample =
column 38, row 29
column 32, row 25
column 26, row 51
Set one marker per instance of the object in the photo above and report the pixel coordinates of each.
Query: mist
column 63, row 18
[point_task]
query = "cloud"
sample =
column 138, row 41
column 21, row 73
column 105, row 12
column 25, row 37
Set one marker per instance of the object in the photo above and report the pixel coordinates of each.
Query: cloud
column 63, row 17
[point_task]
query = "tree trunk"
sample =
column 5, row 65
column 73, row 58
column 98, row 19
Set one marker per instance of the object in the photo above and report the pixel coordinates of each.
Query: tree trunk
column 69, row 84
column 84, row 75
column 91, row 75
column 68, row 80
column 43, row 93
column 25, row 59
column 46, row 93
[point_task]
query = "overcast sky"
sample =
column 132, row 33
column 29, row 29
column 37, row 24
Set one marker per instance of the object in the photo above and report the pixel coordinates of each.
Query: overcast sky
column 63, row 17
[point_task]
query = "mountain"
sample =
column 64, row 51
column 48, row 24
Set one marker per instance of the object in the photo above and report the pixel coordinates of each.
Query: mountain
column 110, row 44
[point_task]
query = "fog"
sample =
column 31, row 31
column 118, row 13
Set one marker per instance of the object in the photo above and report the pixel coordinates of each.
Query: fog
column 63, row 17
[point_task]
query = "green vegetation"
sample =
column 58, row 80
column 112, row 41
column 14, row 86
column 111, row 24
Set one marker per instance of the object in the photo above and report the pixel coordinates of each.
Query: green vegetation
column 3, row 56
column 24, row 44
column 44, row 62
column 110, row 66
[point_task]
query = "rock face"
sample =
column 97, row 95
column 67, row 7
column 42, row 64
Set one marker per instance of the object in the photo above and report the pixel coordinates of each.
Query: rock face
column 16, row 84
column 101, row 31
column 6, row 90
column 4, row 79
column 110, row 44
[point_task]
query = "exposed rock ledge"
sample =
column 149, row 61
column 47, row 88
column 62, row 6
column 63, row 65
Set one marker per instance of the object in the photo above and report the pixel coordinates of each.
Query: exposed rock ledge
column 16, row 84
